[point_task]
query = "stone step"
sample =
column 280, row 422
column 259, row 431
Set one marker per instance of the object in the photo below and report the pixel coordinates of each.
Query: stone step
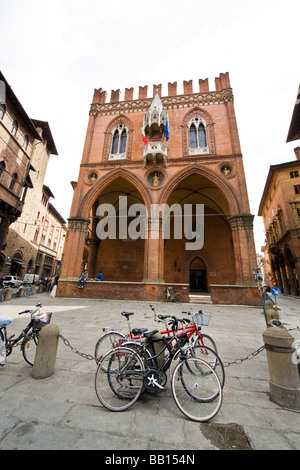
column 200, row 299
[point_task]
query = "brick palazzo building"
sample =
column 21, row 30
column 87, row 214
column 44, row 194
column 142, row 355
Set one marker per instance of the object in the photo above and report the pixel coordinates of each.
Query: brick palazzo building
column 200, row 163
column 280, row 209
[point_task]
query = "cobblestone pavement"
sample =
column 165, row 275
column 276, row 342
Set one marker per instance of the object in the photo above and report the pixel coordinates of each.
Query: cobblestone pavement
column 63, row 412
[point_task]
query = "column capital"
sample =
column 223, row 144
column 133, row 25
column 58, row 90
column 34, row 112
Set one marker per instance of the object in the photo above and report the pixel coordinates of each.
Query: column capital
column 78, row 224
column 241, row 222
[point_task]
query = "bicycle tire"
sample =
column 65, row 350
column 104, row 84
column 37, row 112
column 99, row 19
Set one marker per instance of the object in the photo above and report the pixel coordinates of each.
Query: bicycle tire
column 198, row 396
column 28, row 348
column 119, row 379
column 205, row 339
column 211, row 357
column 106, row 342
column 178, row 298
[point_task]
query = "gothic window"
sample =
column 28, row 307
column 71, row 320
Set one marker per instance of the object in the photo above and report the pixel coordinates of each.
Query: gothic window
column 14, row 127
column 119, row 143
column 197, row 136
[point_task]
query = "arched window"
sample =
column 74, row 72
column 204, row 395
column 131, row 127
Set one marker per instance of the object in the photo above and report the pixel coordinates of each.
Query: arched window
column 119, row 143
column 13, row 181
column 193, row 137
column 2, row 167
column 14, row 127
column 25, row 142
column 2, row 110
column 197, row 136
column 202, row 136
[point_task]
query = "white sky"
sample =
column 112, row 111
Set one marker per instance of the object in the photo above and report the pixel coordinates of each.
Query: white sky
column 54, row 53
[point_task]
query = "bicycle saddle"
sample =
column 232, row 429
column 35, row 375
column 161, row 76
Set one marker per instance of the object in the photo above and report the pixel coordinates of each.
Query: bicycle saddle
column 126, row 314
column 139, row 331
column 150, row 334
column 4, row 321
column 163, row 317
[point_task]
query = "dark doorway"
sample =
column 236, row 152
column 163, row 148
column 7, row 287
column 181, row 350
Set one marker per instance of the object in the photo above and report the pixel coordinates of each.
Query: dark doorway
column 198, row 280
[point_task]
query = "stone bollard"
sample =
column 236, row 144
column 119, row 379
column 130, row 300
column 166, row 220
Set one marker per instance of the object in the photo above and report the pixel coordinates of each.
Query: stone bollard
column 8, row 293
column 157, row 346
column 283, row 371
column 269, row 305
column 22, row 291
column 45, row 356
column 271, row 314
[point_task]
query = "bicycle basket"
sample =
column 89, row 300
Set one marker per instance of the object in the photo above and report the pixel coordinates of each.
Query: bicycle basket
column 202, row 319
column 43, row 319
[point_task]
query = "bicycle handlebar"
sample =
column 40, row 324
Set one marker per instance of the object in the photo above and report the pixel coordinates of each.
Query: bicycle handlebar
column 192, row 313
column 31, row 311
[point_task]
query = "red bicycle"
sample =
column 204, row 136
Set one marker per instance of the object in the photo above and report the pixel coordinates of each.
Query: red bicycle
column 114, row 337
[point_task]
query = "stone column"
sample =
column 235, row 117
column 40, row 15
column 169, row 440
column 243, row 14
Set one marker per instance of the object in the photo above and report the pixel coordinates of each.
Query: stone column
column 93, row 244
column 285, row 281
column 74, row 247
column 244, row 248
column 154, row 252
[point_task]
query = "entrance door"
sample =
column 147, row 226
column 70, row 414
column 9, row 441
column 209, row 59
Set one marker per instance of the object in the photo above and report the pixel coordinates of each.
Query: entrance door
column 198, row 280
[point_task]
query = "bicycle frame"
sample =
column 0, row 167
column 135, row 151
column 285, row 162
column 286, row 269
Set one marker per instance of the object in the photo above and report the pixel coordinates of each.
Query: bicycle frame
column 31, row 329
column 132, row 333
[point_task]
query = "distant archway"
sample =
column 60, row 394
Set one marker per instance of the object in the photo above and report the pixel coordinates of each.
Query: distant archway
column 198, row 275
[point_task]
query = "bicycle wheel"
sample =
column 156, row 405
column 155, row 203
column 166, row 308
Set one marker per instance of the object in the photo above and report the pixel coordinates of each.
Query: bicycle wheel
column 164, row 297
column 211, row 357
column 28, row 348
column 106, row 342
column 204, row 339
column 119, row 379
column 197, row 393
column 178, row 298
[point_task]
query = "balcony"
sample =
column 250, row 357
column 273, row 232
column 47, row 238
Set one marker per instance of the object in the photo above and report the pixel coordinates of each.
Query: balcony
column 155, row 152
column 274, row 249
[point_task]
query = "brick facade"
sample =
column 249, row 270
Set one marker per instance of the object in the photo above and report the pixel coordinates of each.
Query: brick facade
column 178, row 171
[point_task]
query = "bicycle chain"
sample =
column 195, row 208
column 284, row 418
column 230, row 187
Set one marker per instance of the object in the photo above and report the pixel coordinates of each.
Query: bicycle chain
column 67, row 343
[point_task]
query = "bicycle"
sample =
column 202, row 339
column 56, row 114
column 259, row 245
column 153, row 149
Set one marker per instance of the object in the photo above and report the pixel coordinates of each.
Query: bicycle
column 16, row 292
column 169, row 296
column 124, row 373
column 113, row 337
column 28, row 291
column 27, row 339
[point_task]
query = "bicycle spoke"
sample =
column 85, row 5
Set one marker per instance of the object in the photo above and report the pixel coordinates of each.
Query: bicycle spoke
column 119, row 379
column 197, row 393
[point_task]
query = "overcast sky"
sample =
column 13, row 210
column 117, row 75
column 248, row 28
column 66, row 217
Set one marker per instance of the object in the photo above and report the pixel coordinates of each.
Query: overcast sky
column 54, row 53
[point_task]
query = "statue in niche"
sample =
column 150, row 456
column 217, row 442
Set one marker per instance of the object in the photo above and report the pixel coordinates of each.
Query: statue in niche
column 155, row 178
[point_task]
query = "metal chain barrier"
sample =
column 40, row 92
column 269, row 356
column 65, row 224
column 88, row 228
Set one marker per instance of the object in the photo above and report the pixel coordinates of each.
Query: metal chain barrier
column 250, row 356
column 67, row 343
column 255, row 353
column 225, row 364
